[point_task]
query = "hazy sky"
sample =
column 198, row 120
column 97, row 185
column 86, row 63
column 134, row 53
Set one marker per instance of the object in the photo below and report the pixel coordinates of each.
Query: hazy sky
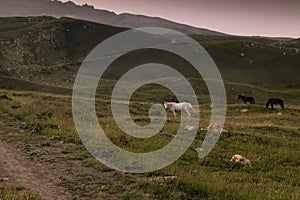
column 239, row 17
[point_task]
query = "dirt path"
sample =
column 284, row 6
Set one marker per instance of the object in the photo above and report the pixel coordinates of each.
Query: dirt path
column 56, row 169
column 15, row 169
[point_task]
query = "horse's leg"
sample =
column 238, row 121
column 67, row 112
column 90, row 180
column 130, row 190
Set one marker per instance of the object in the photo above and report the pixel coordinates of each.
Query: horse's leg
column 174, row 114
column 173, row 111
column 272, row 105
column 267, row 105
column 188, row 113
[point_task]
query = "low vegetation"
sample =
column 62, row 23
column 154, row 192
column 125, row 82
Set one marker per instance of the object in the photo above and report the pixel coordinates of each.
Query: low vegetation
column 270, row 140
column 16, row 193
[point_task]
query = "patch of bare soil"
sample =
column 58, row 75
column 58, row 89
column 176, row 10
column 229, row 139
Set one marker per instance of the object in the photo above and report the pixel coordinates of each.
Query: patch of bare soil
column 16, row 169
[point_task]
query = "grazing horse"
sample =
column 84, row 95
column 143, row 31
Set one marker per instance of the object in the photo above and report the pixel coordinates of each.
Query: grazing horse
column 273, row 101
column 173, row 106
column 246, row 99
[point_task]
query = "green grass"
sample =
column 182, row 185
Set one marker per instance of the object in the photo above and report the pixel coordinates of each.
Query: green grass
column 269, row 140
column 16, row 193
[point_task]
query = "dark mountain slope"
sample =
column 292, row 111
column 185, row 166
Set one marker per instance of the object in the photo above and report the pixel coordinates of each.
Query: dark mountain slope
column 49, row 51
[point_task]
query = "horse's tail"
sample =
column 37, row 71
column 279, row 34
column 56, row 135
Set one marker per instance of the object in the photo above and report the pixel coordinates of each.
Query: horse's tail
column 282, row 104
column 191, row 108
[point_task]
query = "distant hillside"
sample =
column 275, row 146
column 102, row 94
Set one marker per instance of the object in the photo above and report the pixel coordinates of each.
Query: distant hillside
column 48, row 51
column 69, row 9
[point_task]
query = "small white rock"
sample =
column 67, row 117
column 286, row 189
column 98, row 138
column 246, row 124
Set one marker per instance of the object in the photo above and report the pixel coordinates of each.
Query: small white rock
column 190, row 128
column 198, row 149
column 244, row 110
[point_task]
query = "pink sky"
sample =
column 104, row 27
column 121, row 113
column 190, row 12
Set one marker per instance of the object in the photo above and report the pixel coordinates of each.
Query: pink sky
column 277, row 18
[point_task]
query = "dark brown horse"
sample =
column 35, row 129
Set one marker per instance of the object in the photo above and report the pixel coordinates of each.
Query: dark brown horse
column 273, row 101
column 246, row 99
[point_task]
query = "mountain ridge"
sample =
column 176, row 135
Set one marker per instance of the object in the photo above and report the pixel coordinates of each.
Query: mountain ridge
column 26, row 8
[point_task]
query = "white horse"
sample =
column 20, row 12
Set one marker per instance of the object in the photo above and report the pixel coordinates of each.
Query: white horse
column 173, row 106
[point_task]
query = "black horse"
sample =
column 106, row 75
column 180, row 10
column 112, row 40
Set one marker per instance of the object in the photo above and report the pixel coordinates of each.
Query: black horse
column 246, row 99
column 273, row 101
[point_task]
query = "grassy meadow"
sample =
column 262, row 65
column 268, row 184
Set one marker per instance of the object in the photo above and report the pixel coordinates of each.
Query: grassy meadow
column 269, row 138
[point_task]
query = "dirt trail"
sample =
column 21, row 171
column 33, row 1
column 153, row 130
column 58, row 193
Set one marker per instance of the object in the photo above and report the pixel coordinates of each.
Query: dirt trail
column 15, row 169
column 54, row 169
